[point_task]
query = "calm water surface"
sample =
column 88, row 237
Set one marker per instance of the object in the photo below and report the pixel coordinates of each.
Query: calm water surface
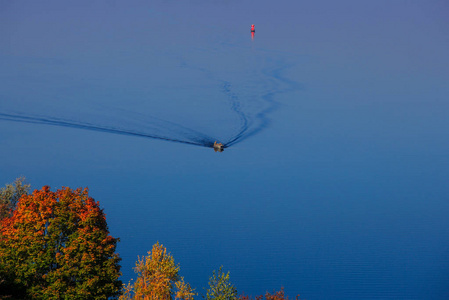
column 337, row 188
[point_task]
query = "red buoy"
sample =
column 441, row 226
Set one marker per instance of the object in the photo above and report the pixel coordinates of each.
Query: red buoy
column 252, row 28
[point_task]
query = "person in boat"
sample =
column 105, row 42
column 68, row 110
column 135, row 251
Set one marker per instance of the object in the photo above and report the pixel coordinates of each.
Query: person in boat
column 218, row 147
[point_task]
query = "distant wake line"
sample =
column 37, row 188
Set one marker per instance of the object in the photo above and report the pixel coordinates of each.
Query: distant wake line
column 252, row 125
column 202, row 141
column 236, row 108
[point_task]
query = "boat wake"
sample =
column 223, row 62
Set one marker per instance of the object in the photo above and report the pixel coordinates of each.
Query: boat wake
column 251, row 93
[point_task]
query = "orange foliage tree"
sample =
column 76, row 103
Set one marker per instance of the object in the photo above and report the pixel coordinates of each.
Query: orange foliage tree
column 279, row 295
column 158, row 278
column 56, row 245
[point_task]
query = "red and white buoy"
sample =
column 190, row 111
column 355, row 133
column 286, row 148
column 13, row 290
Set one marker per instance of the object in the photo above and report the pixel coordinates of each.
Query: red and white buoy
column 252, row 28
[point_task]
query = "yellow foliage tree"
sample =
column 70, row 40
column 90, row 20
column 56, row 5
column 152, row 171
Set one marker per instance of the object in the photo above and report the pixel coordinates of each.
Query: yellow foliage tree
column 158, row 278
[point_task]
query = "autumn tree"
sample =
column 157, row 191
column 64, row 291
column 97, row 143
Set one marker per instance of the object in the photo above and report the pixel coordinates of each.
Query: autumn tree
column 276, row 295
column 158, row 278
column 10, row 194
column 220, row 287
column 56, row 245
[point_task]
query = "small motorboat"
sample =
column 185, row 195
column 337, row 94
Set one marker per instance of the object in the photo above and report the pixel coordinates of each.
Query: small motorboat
column 218, row 147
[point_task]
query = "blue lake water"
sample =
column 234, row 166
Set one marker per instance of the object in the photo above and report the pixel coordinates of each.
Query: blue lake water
column 337, row 185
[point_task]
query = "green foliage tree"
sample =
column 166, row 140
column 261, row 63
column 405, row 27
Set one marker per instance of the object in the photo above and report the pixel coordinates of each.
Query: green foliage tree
column 220, row 287
column 10, row 194
column 56, row 245
column 158, row 278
